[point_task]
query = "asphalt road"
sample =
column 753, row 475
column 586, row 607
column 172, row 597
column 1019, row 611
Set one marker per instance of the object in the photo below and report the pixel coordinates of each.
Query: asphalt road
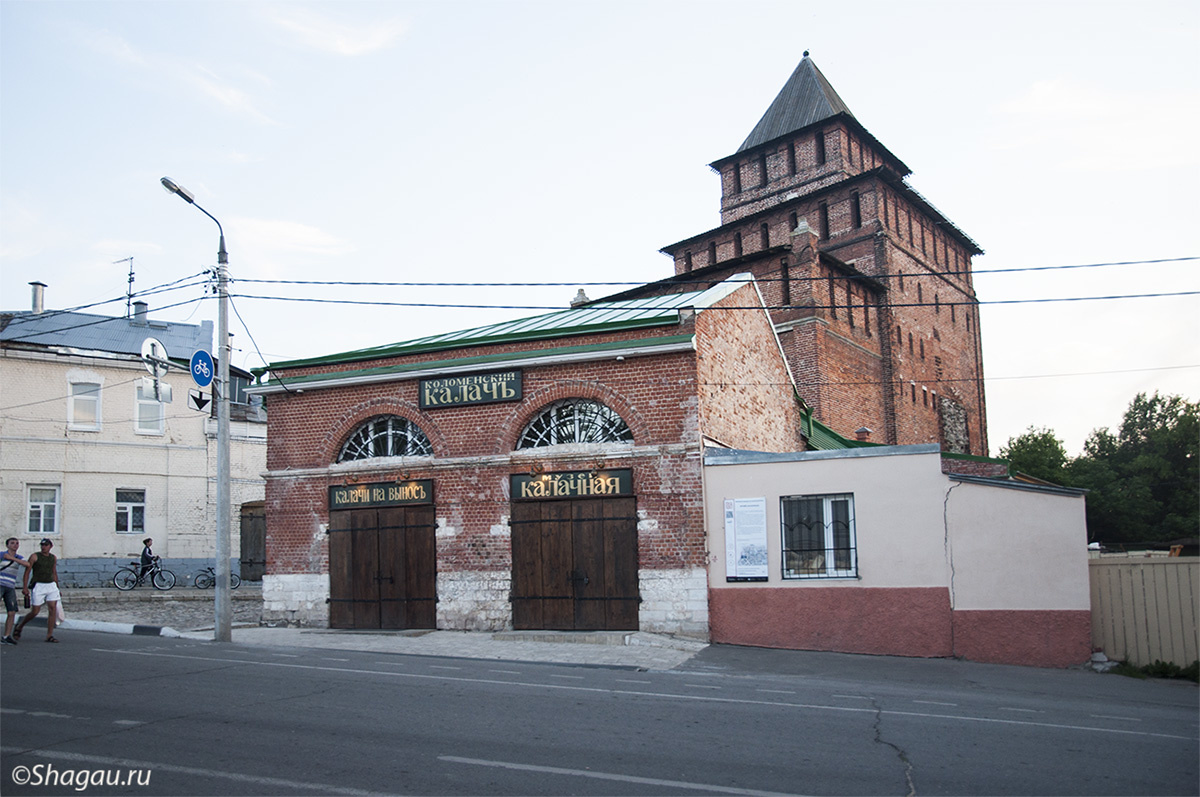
column 182, row 717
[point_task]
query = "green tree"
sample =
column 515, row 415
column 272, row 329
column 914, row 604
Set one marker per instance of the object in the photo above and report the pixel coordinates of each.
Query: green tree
column 1143, row 482
column 1037, row 453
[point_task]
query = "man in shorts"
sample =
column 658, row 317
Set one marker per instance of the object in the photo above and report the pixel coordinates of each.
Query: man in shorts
column 11, row 563
column 43, row 566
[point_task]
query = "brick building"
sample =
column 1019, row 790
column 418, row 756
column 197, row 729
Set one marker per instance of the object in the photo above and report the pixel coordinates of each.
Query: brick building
column 869, row 284
column 549, row 472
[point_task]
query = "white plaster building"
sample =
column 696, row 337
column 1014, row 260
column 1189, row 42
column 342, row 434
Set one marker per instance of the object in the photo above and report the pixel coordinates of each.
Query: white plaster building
column 91, row 459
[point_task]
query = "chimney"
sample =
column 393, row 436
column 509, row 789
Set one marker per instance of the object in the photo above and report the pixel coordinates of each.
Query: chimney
column 139, row 312
column 863, row 434
column 39, row 297
column 580, row 299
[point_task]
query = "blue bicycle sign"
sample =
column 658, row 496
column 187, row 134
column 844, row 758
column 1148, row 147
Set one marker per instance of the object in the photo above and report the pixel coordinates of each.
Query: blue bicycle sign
column 202, row 368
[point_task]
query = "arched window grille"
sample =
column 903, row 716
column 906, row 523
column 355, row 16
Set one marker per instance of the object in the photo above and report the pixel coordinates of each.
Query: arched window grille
column 385, row 436
column 575, row 421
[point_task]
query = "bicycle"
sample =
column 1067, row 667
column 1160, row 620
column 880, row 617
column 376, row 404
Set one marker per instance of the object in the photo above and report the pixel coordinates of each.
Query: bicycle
column 127, row 578
column 208, row 577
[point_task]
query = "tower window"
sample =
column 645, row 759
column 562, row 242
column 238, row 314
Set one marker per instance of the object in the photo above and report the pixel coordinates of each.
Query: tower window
column 793, row 222
column 937, row 304
column 712, row 252
column 920, row 296
column 855, row 211
column 737, row 178
column 823, row 220
column 764, row 236
column 737, row 244
column 687, row 260
column 899, row 336
column 922, row 348
column 791, row 158
column 785, row 280
column 832, row 299
column 762, row 168
column 819, row 154
column 910, row 343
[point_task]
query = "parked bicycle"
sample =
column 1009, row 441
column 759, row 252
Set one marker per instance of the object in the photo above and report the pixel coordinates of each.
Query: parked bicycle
column 129, row 577
column 208, row 577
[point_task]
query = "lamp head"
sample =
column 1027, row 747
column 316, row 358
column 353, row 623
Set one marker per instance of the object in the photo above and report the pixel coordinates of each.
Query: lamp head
column 171, row 187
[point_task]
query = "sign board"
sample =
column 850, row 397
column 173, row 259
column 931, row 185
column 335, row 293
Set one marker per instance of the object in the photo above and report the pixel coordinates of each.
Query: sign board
column 366, row 496
column 458, row 391
column 197, row 400
column 154, row 355
column 580, row 484
column 202, row 368
column 745, row 539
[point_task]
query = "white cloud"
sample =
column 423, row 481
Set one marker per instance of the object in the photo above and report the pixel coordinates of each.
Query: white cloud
column 231, row 97
column 111, row 45
column 323, row 33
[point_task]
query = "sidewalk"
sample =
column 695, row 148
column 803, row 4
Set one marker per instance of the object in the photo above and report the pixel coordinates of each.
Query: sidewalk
column 188, row 613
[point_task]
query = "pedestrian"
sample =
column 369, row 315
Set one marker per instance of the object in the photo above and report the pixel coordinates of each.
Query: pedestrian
column 11, row 563
column 43, row 566
column 148, row 557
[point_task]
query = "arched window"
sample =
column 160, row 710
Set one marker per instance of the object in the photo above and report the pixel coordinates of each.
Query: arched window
column 385, row 436
column 575, row 421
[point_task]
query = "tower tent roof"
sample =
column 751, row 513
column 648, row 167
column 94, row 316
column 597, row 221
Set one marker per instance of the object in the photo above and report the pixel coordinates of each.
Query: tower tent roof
column 806, row 98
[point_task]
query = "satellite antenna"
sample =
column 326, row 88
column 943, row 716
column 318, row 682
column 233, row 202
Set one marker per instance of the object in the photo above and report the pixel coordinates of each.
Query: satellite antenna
column 129, row 290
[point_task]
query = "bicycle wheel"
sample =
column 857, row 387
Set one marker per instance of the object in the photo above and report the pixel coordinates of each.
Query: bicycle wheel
column 235, row 581
column 163, row 579
column 125, row 579
column 203, row 581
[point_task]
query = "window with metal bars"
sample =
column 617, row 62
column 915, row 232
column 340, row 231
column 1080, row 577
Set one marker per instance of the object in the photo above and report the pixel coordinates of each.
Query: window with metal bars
column 386, row 436
column 819, row 536
column 575, row 421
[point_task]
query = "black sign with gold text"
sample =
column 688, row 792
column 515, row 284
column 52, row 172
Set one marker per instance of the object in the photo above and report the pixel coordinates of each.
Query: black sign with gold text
column 458, row 391
column 581, row 484
column 363, row 496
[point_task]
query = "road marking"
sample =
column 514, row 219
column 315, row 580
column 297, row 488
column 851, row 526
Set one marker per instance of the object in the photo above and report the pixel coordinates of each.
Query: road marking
column 935, row 703
column 1110, row 717
column 628, row 681
column 158, row 766
column 569, row 677
column 506, row 672
column 701, row 686
column 442, row 667
column 286, row 655
column 330, row 658
column 1021, row 710
column 853, row 697
column 587, row 773
column 128, row 722
column 662, row 695
column 776, row 691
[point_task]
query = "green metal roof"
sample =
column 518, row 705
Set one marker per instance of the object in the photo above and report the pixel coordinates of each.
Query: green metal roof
column 649, row 311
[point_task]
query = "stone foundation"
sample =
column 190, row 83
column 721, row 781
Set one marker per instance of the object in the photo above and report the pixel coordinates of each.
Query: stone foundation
column 474, row 601
column 296, row 599
column 674, row 602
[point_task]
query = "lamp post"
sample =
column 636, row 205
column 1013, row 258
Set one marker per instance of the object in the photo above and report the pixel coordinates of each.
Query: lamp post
column 223, row 609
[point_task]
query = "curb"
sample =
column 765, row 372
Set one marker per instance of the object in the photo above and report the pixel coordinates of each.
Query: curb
column 109, row 628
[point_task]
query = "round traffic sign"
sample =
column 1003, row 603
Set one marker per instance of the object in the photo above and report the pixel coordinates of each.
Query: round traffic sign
column 202, row 368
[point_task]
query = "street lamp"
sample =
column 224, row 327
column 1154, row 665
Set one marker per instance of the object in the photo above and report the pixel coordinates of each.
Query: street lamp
column 223, row 605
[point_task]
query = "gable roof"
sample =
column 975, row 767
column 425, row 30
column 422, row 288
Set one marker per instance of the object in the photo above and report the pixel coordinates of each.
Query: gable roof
column 88, row 332
column 599, row 316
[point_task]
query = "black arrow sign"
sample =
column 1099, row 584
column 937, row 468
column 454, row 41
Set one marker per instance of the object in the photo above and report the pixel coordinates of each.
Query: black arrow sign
column 196, row 400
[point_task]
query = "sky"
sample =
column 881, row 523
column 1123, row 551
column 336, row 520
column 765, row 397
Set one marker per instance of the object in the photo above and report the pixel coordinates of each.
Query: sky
column 566, row 143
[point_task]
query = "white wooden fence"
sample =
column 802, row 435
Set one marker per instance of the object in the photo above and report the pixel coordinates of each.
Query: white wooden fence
column 1145, row 610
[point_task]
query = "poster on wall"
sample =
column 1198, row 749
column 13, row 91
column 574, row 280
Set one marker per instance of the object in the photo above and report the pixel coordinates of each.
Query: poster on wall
column 745, row 539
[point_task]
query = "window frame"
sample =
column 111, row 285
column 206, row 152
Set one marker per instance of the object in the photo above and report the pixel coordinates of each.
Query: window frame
column 412, row 434
column 551, row 421
column 56, row 514
column 129, row 508
column 836, row 558
column 142, row 402
column 76, row 399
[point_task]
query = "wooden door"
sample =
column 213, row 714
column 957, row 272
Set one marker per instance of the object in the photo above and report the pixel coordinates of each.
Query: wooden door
column 253, row 538
column 575, row 565
column 383, row 568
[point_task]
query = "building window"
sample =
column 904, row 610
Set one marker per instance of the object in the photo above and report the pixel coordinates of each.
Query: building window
column 83, row 410
column 687, row 260
column 819, row 536
column 762, row 167
column 764, row 236
column 737, row 244
column 148, row 412
column 712, row 252
column 819, row 154
column 823, row 220
column 737, row 178
column 131, row 511
column 855, row 210
column 832, row 299
column 575, row 421
column 791, row 158
column 786, row 281
column 43, row 509
column 793, row 222
column 386, row 436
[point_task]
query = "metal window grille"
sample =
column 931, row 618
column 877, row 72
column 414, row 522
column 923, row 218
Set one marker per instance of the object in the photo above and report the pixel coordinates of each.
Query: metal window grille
column 386, row 436
column 819, row 536
column 131, row 511
column 575, row 421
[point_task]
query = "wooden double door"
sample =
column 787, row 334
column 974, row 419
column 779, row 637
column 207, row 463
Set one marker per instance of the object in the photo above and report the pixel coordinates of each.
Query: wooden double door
column 575, row 564
column 383, row 568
